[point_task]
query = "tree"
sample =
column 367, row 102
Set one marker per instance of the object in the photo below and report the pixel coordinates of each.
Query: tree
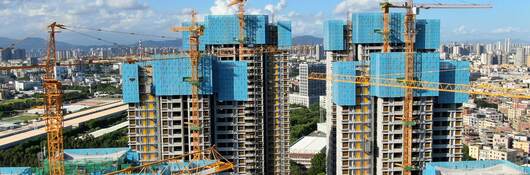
column 304, row 121
column 318, row 164
column 297, row 169
column 466, row 153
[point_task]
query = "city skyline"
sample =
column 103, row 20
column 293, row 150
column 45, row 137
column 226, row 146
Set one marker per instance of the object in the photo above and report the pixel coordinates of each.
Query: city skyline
column 29, row 18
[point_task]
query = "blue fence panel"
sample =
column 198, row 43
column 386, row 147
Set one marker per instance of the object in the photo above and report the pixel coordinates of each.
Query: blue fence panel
column 284, row 35
column 15, row 171
column 224, row 29
column 334, row 35
column 186, row 38
column 230, row 80
column 392, row 66
column 169, row 76
column 427, row 34
column 454, row 72
column 367, row 27
column 343, row 92
column 130, row 86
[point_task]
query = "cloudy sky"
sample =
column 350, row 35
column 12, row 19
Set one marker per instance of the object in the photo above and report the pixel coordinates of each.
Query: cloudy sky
column 23, row 18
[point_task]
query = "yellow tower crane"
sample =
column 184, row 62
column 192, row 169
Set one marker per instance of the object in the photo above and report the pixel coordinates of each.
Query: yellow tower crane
column 410, row 36
column 241, row 16
column 53, row 110
column 195, row 31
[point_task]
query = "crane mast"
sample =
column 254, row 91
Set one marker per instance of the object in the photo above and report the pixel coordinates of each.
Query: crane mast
column 241, row 16
column 410, row 37
column 195, row 31
column 53, row 113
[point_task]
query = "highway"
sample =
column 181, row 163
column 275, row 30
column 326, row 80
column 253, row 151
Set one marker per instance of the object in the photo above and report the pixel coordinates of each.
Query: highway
column 8, row 138
column 104, row 131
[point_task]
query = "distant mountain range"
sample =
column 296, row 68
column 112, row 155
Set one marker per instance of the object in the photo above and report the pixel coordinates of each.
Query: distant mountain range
column 39, row 43
column 307, row 40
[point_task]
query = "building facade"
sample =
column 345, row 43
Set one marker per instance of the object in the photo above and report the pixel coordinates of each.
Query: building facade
column 366, row 121
column 310, row 90
column 243, row 102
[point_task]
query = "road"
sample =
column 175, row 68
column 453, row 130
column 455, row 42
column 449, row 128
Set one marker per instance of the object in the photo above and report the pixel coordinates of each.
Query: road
column 8, row 138
column 104, row 131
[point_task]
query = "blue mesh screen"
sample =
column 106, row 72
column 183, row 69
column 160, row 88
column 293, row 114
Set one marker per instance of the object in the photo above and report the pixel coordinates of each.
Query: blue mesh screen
column 343, row 92
column 334, row 35
column 392, row 66
column 367, row 27
column 230, row 80
column 169, row 76
column 284, row 34
column 454, row 72
column 427, row 34
column 130, row 86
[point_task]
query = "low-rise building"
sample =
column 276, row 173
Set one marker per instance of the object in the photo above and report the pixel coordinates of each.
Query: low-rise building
column 523, row 145
column 497, row 153
column 307, row 147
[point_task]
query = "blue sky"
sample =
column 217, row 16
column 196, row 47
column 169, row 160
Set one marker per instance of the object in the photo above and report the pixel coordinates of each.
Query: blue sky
column 22, row 18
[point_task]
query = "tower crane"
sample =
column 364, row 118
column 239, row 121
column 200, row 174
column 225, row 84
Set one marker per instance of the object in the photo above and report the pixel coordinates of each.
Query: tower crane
column 410, row 34
column 53, row 112
column 195, row 31
column 241, row 16
column 216, row 167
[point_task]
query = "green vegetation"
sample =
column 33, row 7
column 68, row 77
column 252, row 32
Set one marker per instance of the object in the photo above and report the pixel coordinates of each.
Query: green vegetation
column 26, row 154
column 104, row 88
column 303, row 120
column 466, row 153
column 21, row 118
column 107, row 89
column 318, row 164
column 481, row 103
column 8, row 107
column 293, row 72
column 297, row 169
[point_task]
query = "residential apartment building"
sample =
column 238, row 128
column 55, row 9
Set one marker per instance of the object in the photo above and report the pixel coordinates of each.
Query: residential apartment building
column 366, row 128
column 243, row 97
column 309, row 90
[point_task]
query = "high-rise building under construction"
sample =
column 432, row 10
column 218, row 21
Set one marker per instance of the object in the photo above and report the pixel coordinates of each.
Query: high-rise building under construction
column 243, row 97
column 366, row 121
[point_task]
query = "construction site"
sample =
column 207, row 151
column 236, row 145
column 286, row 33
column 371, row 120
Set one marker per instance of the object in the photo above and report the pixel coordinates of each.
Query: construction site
column 220, row 105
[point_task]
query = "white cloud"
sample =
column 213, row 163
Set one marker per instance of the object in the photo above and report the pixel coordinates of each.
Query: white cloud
column 276, row 8
column 220, row 7
column 304, row 24
column 507, row 30
column 464, row 30
column 346, row 6
column 31, row 16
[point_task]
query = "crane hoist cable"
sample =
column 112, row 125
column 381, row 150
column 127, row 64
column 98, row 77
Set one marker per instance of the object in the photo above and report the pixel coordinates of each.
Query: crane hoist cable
column 96, row 38
column 120, row 32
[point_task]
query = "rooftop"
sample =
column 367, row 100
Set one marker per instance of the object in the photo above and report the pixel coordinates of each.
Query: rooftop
column 482, row 167
column 311, row 144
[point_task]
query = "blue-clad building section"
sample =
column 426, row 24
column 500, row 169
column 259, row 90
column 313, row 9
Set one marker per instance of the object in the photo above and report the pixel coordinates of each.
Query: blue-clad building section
column 230, row 80
column 15, row 170
column 130, row 86
column 343, row 92
column 392, row 66
column 284, row 35
column 169, row 76
column 334, row 35
column 478, row 167
column 454, row 72
column 367, row 27
column 186, row 38
column 427, row 34
column 224, row 29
